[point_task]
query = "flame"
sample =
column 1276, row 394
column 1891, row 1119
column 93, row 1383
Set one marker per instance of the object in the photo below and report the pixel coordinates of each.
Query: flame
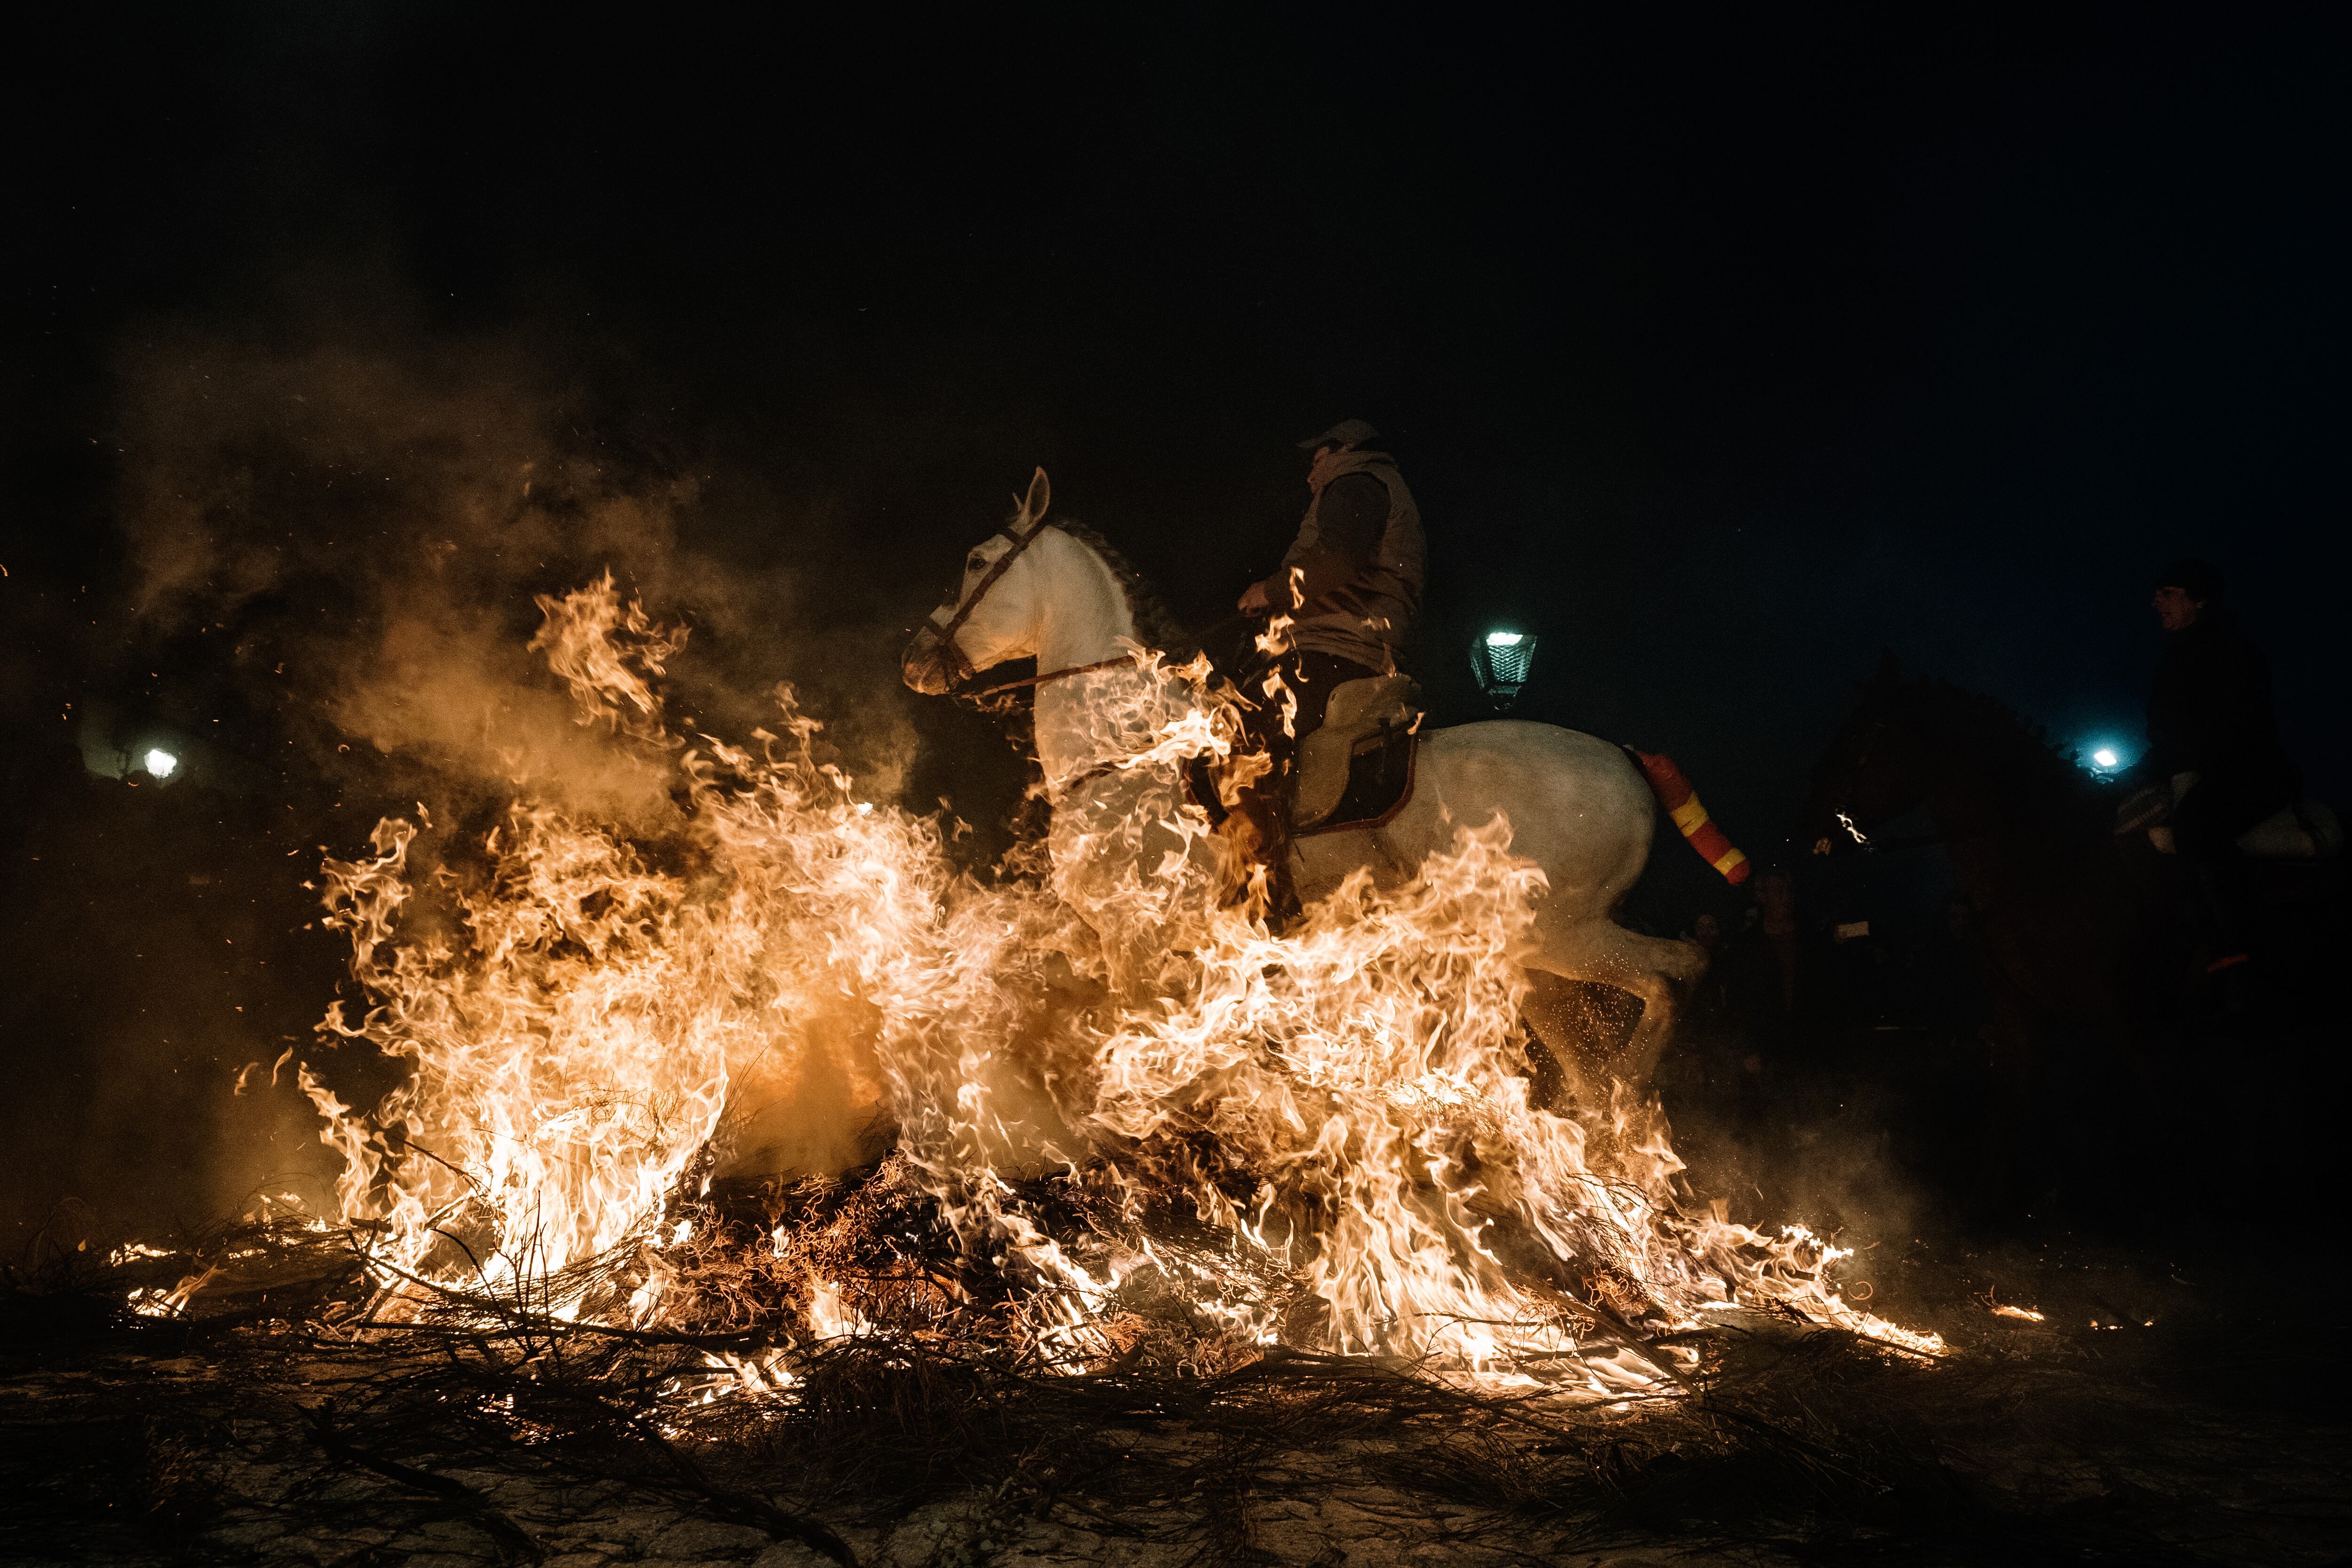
column 1334, row 1108
column 156, row 1302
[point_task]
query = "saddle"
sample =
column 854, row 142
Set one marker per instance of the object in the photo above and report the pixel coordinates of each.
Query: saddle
column 2307, row 830
column 1356, row 770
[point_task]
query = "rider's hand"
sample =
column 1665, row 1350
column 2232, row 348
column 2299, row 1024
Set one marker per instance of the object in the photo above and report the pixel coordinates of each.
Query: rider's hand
column 1256, row 600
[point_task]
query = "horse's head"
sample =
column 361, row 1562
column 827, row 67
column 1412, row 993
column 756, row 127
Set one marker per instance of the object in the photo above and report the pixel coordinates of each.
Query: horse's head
column 993, row 611
column 1870, row 773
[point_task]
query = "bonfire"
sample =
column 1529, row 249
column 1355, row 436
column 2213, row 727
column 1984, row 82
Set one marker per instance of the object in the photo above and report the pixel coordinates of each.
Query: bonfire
column 750, row 1168
column 1314, row 1143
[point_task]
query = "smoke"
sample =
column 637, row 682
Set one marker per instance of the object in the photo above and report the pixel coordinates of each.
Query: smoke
column 371, row 526
column 331, row 546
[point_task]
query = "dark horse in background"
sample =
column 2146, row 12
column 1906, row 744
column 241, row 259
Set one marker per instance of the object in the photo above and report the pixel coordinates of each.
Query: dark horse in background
column 2092, row 973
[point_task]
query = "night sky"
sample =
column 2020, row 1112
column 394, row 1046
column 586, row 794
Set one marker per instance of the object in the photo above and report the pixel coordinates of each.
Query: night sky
column 1720, row 353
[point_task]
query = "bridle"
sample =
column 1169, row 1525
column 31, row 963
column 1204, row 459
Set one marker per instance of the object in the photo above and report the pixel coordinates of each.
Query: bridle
column 944, row 632
column 1195, row 783
column 1879, row 729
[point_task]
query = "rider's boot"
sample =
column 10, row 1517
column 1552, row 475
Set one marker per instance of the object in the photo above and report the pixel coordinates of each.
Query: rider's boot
column 1263, row 806
column 1282, row 906
column 2229, row 968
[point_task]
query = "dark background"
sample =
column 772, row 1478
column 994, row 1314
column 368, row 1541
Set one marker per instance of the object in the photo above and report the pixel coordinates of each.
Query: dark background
column 1719, row 351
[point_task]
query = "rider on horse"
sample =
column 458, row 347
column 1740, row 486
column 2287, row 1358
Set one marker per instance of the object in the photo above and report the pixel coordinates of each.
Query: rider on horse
column 2213, row 743
column 1352, row 584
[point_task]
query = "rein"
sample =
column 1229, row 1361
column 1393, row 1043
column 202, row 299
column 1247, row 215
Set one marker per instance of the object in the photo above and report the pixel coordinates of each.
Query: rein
column 945, row 631
column 1896, row 846
column 1193, row 776
column 1050, row 676
column 1196, row 789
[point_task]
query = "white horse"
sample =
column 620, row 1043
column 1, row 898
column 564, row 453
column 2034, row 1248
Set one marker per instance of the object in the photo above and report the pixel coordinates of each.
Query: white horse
column 1577, row 805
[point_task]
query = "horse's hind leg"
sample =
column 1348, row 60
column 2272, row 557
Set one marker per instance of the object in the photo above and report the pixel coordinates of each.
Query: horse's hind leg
column 1656, row 970
column 1577, row 1030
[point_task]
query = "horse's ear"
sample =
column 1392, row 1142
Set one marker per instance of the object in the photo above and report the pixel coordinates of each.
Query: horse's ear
column 1890, row 670
column 1041, row 494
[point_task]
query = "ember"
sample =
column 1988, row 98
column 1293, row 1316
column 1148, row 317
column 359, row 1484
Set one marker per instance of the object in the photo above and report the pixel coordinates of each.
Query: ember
column 1314, row 1140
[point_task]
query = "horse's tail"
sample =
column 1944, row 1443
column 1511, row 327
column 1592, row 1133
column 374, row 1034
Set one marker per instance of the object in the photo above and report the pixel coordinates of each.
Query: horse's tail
column 1674, row 793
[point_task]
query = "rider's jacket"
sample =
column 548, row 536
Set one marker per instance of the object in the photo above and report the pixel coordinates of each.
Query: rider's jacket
column 2209, row 711
column 1365, row 616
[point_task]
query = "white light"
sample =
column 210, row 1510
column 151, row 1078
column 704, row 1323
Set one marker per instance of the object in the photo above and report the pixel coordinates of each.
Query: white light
column 1504, row 639
column 2104, row 757
column 161, row 762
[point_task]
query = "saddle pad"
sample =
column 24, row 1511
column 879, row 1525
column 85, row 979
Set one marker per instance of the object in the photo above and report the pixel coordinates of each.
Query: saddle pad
column 1380, row 781
column 2308, row 830
column 1367, row 712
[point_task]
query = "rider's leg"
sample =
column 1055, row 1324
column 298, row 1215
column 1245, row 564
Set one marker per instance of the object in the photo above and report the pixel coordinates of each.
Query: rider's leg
column 1311, row 678
column 1260, row 802
column 2205, row 829
column 1314, row 677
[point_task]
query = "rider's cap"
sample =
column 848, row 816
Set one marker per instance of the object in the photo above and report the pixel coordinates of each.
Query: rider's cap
column 2200, row 580
column 1347, row 433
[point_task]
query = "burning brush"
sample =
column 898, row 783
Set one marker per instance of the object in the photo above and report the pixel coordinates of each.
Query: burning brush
column 1306, row 1143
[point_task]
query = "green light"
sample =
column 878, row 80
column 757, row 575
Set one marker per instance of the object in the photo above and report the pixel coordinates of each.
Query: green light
column 1504, row 639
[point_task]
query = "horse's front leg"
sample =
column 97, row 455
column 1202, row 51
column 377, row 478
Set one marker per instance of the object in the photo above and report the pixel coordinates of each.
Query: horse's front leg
column 1145, row 888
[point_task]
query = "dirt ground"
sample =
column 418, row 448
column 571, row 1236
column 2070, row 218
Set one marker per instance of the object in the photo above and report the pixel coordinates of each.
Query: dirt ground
column 2160, row 1410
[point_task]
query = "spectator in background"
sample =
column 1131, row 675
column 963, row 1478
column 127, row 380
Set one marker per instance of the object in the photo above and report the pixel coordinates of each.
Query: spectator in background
column 1708, row 932
column 1776, row 896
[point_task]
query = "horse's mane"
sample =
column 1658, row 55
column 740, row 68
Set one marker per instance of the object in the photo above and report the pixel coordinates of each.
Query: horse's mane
column 2025, row 769
column 1155, row 625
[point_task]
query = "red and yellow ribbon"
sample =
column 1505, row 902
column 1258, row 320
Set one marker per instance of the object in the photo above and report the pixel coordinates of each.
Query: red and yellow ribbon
column 1674, row 793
